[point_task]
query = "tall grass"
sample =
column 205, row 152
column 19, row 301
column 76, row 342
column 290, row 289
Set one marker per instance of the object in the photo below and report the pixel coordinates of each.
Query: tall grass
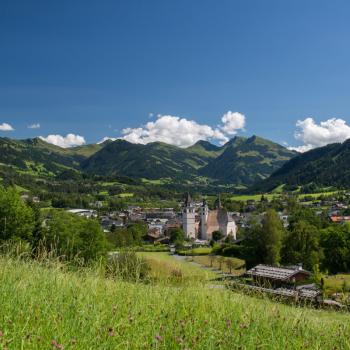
column 49, row 307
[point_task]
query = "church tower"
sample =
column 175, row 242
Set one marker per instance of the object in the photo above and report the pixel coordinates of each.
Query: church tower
column 189, row 218
column 204, row 218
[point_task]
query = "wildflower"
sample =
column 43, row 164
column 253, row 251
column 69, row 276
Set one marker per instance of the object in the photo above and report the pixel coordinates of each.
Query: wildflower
column 228, row 323
column 110, row 332
column 178, row 340
column 158, row 338
column 56, row 345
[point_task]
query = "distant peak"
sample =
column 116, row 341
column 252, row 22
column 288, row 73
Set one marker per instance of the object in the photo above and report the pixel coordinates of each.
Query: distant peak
column 237, row 140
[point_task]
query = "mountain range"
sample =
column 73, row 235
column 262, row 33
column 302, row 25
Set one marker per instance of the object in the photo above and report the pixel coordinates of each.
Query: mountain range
column 323, row 166
column 241, row 161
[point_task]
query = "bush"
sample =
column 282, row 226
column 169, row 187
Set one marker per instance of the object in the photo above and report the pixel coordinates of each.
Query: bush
column 153, row 248
column 128, row 266
column 233, row 251
column 76, row 239
column 16, row 217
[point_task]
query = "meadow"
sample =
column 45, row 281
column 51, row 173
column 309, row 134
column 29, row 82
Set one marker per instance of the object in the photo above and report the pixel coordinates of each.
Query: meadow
column 165, row 269
column 46, row 306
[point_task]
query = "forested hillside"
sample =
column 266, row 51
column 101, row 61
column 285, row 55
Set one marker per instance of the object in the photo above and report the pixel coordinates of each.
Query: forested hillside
column 324, row 166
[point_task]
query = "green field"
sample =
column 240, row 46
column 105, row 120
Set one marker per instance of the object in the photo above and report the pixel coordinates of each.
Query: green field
column 277, row 194
column 196, row 251
column 165, row 268
column 207, row 261
column 336, row 283
column 51, row 308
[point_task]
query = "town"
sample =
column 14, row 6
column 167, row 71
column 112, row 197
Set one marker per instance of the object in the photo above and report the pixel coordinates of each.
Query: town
column 202, row 229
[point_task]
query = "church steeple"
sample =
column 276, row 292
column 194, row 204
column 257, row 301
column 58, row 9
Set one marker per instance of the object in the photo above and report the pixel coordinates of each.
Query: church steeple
column 188, row 200
column 217, row 203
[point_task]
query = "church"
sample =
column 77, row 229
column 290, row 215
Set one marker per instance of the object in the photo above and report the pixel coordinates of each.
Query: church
column 202, row 227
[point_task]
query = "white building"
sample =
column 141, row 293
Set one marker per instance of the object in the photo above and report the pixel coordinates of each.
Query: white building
column 189, row 218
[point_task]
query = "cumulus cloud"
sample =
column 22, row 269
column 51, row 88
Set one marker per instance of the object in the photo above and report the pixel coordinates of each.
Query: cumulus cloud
column 34, row 126
column 6, row 127
column 183, row 132
column 316, row 135
column 232, row 121
column 70, row 140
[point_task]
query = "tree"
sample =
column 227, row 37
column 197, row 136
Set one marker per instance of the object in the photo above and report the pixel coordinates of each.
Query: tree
column 253, row 248
column 221, row 260
column 217, row 235
column 212, row 259
column 335, row 241
column 16, row 217
column 272, row 234
column 137, row 231
column 230, row 264
column 177, row 235
column 302, row 245
column 74, row 236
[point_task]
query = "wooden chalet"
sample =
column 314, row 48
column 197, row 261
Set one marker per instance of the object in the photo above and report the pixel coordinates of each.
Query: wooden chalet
column 277, row 276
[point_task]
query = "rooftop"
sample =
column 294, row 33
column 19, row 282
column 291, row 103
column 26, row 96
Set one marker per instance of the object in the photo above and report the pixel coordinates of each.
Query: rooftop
column 276, row 273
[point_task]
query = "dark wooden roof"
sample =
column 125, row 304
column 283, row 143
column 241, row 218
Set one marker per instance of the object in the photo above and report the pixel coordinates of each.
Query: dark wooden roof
column 275, row 273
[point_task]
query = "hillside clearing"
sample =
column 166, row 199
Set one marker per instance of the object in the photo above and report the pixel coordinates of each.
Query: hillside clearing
column 48, row 308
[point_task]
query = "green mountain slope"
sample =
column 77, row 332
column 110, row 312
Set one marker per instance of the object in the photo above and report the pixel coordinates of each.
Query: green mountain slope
column 153, row 161
column 240, row 161
column 324, row 166
column 39, row 157
column 205, row 149
column 245, row 161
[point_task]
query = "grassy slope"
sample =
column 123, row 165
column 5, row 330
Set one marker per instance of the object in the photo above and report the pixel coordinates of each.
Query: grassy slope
column 163, row 265
column 85, row 311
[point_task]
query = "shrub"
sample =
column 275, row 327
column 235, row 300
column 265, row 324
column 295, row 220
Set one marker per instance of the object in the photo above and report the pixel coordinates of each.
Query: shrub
column 128, row 266
column 74, row 238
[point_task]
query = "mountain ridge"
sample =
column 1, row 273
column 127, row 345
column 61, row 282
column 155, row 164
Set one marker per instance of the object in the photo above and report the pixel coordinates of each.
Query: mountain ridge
column 235, row 162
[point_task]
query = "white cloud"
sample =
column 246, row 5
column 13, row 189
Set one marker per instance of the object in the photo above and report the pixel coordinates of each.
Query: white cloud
column 183, row 132
column 34, row 126
column 232, row 121
column 316, row 135
column 105, row 139
column 6, row 127
column 70, row 140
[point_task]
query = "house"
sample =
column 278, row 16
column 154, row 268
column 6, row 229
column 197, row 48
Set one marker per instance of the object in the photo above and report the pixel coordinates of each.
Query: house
column 88, row 213
column 107, row 223
column 339, row 219
column 273, row 275
column 153, row 235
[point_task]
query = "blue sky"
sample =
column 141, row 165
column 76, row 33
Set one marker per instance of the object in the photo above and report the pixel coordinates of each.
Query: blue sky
column 94, row 68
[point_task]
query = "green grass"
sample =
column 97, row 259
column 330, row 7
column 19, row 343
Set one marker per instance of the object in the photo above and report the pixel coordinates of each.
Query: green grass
column 255, row 197
column 196, row 251
column 42, row 306
column 206, row 261
column 125, row 195
column 165, row 268
column 277, row 193
column 335, row 283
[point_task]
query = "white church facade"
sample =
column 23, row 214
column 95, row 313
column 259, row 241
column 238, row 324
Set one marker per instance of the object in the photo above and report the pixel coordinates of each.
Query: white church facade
column 218, row 219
